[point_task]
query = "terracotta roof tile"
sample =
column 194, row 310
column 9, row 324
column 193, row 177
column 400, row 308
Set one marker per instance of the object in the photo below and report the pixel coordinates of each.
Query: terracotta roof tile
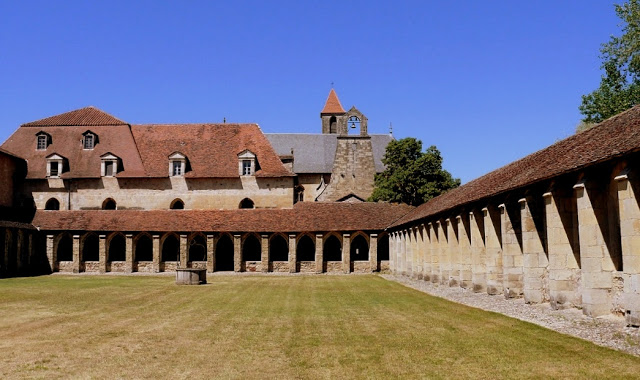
column 333, row 104
column 88, row 116
column 303, row 217
column 614, row 137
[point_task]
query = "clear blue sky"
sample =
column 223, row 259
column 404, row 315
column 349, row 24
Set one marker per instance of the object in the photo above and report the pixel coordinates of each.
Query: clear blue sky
column 487, row 82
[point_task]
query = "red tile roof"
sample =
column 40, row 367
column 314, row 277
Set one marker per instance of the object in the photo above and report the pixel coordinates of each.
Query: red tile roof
column 333, row 104
column 303, row 217
column 614, row 137
column 87, row 117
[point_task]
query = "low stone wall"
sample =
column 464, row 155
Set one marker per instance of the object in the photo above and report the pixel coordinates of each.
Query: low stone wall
column 384, row 266
column 361, row 267
column 279, row 266
column 252, row 266
column 333, row 266
column 306, row 266
column 65, row 266
column 117, row 266
column 145, row 267
column 197, row 264
column 92, row 266
column 168, row 266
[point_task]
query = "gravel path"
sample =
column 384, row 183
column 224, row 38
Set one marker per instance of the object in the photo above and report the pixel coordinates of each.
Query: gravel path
column 609, row 331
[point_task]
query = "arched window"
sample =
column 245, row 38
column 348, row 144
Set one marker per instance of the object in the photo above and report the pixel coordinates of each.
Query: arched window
column 383, row 248
column 298, row 194
column 278, row 249
column 117, row 249
column 170, row 248
column 65, row 248
column 251, row 250
column 246, row 203
column 144, row 249
column 306, row 250
column 109, row 204
column 333, row 125
column 177, row 204
column 52, row 204
column 332, row 249
column 90, row 247
column 198, row 248
column 224, row 254
column 359, row 249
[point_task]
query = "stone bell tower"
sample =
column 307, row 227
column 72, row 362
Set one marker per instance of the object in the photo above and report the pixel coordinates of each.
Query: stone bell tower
column 353, row 170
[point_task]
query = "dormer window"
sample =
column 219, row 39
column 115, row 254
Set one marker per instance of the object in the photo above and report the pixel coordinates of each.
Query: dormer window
column 177, row 164
column 89, row 140
column 247, row 163
column 55, row 165
column 109, row 165
column 42, row 140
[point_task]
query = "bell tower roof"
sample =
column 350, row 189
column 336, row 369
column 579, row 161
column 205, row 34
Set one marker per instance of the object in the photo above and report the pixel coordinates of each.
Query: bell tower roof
column 333, row 104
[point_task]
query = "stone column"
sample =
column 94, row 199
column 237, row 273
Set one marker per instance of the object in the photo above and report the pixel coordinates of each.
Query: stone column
column 478, row 254
column 435, row 253
column 464, row 249
column 597, row 268
column 561, row 219
column 19, row 249
column 373, row 252
column 346, row 253
column 452, row 252
column 392, row 252
column 237, row 253
column 293, row 257
column 128, row 267
column 51, row 254
column 402, row 261
column 211, row 253
column 512, row 258
column 629, row 212
column 157, row 255
column 319, row 245
column 426, row 256
column 533, row 250
column 409, row 252
column 493, row 249
column 264, row 253
column 102, row 253
column 184, row 251
column 443, row 250
column 76, row 254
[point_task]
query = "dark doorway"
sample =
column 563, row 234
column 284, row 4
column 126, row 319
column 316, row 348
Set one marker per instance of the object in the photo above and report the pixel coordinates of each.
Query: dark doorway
column 246, row 203
column 359, row 249
column 177, row 204
column 144, row 249
column 170, row 248
column 383, row 248
column 251, row 250
column 109, row 204
column 65, row 249
column 198, row 248
column 278, row 249
column 224, row 254
column 90, row 248
column 117, row 249
column 52, row 204
column 332, row 249
column 306, row 250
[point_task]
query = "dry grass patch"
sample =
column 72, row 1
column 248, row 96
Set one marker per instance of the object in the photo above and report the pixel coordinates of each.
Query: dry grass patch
column 268, row 327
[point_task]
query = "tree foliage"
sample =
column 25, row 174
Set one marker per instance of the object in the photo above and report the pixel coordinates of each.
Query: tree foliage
column 619, row 87
column 411, row 176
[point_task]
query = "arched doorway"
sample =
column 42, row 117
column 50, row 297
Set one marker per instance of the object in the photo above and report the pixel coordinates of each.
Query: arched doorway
column 246, row 203
column 197, row 248
column 109, row 204
column 251, row 249
column 306, row 249
column 383, row 248
column 332, row 250
column 170, row 248
column 144, row 248
column 359, row 249
column 224, row 254
column 90, row 248
column 65, row 248
column 52, row 204
column 278, row 249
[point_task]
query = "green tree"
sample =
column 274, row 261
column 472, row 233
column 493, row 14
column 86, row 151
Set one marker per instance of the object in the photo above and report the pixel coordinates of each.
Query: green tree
column 411, row 176
column 620, row 85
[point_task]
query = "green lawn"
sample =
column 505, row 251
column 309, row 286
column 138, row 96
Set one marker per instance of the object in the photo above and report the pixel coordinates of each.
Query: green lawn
column 273, row 327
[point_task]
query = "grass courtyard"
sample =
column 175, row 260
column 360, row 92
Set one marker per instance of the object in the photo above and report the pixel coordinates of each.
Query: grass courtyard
column 273, row 327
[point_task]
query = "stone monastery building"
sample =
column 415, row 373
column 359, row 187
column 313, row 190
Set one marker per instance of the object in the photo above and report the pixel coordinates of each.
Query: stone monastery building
column 85, row 191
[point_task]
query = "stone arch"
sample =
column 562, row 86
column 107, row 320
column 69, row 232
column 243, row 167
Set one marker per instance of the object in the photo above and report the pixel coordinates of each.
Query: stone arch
column 333, row 124
column 143, row 247
column 64, row 247
column 197, row 244
column 279, row 247
column 109, row 204
column 116, row 247
column 306, row 248
column 170, row 247
column 332, row 248
column 354, row 114
column 177, row 204
column 246, row 203
column 359, row 249
column 52, row 204
column 224, row 253
column 383, row 247
column 251, row 248
column 90, row 247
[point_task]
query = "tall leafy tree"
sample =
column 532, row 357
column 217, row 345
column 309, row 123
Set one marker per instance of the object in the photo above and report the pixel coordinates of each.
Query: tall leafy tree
column 620, row 85
column 411, row 175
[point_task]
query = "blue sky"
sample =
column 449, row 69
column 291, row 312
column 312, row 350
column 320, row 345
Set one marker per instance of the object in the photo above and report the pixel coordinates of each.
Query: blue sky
column 487, row 82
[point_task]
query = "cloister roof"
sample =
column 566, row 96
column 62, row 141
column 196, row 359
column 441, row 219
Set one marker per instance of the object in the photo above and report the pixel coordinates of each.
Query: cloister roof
column 614, row 137
column 303, row 217
column 87, row 116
